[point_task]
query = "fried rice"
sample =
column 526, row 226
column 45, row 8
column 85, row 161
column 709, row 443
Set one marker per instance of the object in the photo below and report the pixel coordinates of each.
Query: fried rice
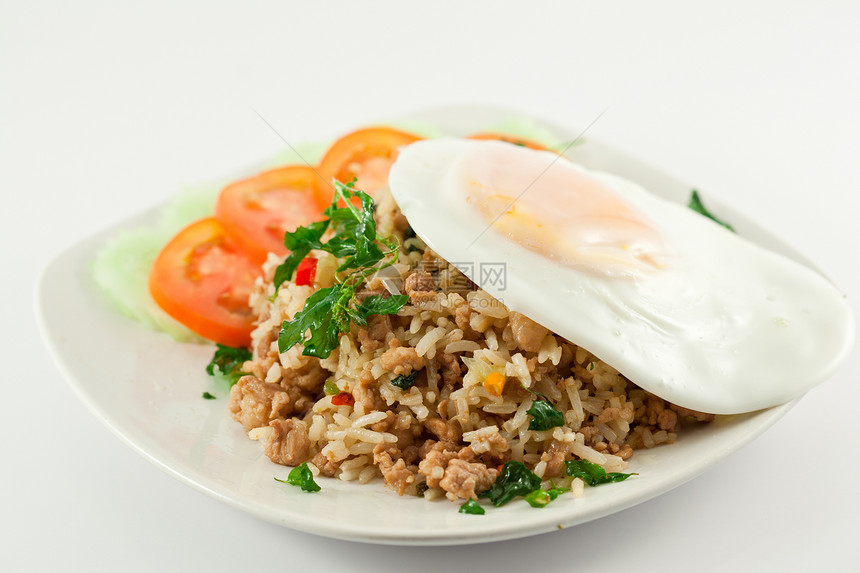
column 447, row 434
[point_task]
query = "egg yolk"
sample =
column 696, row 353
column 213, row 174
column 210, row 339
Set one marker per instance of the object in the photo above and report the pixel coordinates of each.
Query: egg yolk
column 557, row 211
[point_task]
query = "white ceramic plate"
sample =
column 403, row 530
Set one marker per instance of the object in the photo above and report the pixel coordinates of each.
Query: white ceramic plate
column 147, row 389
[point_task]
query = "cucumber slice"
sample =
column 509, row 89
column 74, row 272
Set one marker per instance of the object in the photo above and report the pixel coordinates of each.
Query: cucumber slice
column 121, row 270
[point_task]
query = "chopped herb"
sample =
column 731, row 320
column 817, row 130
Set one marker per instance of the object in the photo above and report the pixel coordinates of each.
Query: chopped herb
column 328, row 312
column 301, row 476
column 405, row 382
column 421, row 488
column 542, row 497
column 228, row 362
column 695, row 203
column 514, row 479
column 300, row 242
column 377, row 304
column 592, row 474
column 472, row 507
column 554, row 492
column 318, row 316
column 590, row 366
column 544, row 416
column 330, row 388
column 538, row 498
column 208, row 396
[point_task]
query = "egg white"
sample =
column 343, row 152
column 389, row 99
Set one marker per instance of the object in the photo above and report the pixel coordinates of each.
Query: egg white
column 718, row 324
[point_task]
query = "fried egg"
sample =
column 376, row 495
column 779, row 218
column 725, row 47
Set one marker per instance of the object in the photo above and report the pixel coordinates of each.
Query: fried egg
column 681, row 306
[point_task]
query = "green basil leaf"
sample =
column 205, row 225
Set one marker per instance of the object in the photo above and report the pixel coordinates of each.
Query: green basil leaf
column 301, row 476
column 306, row 237
column 538, row 498
column 471, row 507
column 318, row 317
column 695, row 203
column 328, row 312
column 554, row 492
column 377, row 304
column 405, row 382
column 340, row 246
column 366, row 225
column 285, row 270
column 544, row 416
column 228, row 361
column 593, row 474
column 514, row 479
column 300, row 242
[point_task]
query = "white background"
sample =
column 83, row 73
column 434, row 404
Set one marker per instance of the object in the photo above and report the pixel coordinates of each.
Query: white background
column 106, row 110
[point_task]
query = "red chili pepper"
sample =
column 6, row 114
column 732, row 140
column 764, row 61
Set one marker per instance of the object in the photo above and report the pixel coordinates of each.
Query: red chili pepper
column 343, row 399
column 306, row 271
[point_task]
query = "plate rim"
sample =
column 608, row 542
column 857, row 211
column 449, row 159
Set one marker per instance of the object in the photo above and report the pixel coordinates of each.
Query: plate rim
column 507, row 529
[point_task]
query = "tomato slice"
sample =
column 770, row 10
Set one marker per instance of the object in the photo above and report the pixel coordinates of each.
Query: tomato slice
column 203, row 279
column 256, row 212
column 510, row 139
column 366, row 154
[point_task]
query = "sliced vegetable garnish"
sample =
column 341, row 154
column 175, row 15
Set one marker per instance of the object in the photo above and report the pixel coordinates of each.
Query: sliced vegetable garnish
column 514, row 479
column 121, row 269
column 472, row 507
column 227, row 361
column 343, row 399
column 300, row 242
column 377, row 304
column 365, row 155
column 695, row 203
column 538, row 498
column 301, row 476
column 494, row 383
column 330, row 388
column 544, row 416
column 405, row 381
column 521, row 141
column 329, row 311
column 256, row 212
column 593, row 474
column 203, row 279
column 355, row 237
column 306, row 271
column 542, row 497
column 208, row 396
column 555, row 491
